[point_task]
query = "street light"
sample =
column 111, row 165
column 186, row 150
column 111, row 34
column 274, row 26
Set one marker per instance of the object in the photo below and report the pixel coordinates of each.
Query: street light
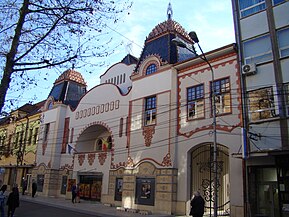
column 180, row 43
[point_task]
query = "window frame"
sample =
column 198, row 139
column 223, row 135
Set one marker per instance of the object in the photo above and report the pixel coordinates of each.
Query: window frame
column 150, row 108
column 265, row 112
column 220, row 96
column 195, row 97
column 255, row 7
column 151, row 68
column 259, row 57
column 283, row 48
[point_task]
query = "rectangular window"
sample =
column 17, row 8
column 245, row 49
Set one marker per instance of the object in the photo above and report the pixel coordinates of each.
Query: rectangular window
column 261, row 104
column 46, row 131
column 30, row 137
column 150, row 110
column 65, row 136
column 248, row 7
column 283, row 42
column 35, row 137
column 222, row 91
column 257, row 50
column 195, row 102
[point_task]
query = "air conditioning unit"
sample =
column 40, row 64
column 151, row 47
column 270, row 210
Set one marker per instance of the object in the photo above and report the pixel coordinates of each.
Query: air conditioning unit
column 249, row 69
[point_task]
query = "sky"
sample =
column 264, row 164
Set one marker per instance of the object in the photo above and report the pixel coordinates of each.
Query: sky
column 212, row 20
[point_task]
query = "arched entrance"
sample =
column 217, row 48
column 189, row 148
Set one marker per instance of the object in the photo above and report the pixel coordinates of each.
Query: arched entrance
column 202, row 176
column 93, row 142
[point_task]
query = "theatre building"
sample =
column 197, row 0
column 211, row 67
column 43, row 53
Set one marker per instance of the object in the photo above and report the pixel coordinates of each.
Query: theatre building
column 142, row 139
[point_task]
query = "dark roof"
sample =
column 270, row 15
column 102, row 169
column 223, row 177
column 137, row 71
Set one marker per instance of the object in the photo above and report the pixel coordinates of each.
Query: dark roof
column 70, row 75
column 129, row 59
column 159, row 43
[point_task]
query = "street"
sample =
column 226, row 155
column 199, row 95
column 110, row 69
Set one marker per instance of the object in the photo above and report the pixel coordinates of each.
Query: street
column 28, row 209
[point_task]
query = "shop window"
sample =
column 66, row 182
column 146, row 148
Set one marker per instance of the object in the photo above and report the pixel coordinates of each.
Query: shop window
column 258, row 50
column 248, row 7
column 118, row 189
column 145, row 191
column 195, row 102
column 261, row 104
column 283, row 42
column 150, row 111
column 152, row 68
column 222, row 91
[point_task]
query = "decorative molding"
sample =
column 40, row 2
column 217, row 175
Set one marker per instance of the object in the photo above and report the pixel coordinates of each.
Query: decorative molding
column 102, row 157
column 167, row 161
column 81, row 158
column 91, row 158
column 148, row 133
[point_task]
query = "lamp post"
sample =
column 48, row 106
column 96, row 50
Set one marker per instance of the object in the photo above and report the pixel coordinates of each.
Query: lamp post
column 195, row 39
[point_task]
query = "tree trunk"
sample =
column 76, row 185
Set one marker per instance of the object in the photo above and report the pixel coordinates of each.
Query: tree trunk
column 10, row 57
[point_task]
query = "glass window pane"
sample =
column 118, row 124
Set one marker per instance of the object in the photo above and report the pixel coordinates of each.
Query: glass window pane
column 283, row 42
column 275, row 2
column 248, row 7
column 258, row 50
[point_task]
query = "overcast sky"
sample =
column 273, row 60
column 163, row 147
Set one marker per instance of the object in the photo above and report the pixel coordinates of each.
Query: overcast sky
column 211, row 19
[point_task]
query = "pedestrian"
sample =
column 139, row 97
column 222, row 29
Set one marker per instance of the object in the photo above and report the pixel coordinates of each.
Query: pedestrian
column 197, row 205
column 2, row 199
column 34, row 188
column 77, row 193
column 74, row 193
column 24, row 186
column 13, row 201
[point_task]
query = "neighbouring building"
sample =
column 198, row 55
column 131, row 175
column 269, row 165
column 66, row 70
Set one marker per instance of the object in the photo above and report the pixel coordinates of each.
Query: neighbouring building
column 18, row 142
column 262, row 35
column 142, row 138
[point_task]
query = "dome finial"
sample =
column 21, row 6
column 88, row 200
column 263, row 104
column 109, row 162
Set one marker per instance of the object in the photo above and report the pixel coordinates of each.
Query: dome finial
column 170, row 11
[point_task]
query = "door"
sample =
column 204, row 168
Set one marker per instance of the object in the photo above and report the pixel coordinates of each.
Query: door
column 268, row 199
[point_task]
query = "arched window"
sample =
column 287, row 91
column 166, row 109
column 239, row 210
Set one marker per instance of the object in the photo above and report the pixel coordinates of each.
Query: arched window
column 152, row 68
column 109, row 142
column 99, row 145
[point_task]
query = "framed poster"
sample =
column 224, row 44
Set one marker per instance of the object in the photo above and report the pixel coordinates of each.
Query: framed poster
column 118, row 189
column 71, row 182
column 145, row 191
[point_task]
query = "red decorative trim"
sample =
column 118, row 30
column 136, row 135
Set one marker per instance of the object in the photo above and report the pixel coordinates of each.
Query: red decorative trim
column 81, row 158
column 148, row 132
column 110, row 132
column 91, row 157
column 102, row 157
column 167, row 160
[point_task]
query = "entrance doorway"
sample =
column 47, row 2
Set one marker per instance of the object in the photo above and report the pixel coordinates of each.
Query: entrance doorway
column 263, row 192
column 90, row 187
column 203, row 174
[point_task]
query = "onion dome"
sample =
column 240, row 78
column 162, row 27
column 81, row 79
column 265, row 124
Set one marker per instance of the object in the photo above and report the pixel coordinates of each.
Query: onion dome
column 68, row 88
column 168, row 26
column 70, row 75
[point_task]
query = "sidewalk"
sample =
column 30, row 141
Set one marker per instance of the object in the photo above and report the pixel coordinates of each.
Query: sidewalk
column 87, row 207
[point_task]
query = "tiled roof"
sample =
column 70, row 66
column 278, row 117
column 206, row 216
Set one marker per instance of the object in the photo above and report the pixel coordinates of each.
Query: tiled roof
column 71, row 75
column 168, row 26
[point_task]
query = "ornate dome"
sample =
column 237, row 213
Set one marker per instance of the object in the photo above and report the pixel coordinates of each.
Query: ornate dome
column 168, row 26
column 70, row 75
